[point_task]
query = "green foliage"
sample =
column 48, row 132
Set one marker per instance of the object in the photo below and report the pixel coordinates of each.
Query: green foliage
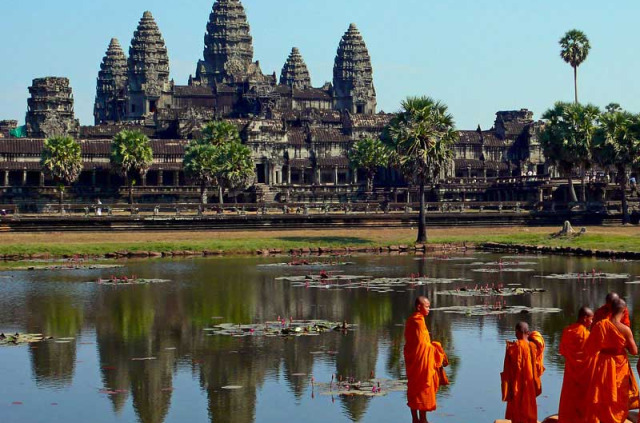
column 568, row 134
column 421, row 137
column 131, row 153
column 617, row 139
column 369, row 154
column 219, row 132
column 574, row 47
column 62, row 159
column 219, row 157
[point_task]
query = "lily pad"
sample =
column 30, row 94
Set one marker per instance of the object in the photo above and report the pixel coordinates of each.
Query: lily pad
column 127, row 282
column 307, row 263
column 231, row 387
column 585, row 276
column 366, row 388
column 502, row 270
column 285, row 328
column 489, row 310
column 22, row 338
column 490, row 292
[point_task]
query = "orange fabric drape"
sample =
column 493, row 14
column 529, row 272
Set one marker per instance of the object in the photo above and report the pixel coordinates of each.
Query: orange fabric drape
column 523, row 367
column 424, row 362
column 612, row 383
column 574, row 384
column 604, row 312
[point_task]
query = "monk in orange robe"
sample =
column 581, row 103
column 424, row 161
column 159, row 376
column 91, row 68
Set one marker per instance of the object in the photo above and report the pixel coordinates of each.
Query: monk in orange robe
column 574, row 384
column 604, row 312
column 612, row 384
column 425, row 362
column 523, row 367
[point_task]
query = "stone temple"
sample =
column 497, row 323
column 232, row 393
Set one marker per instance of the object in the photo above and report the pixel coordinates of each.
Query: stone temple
column 299, row 134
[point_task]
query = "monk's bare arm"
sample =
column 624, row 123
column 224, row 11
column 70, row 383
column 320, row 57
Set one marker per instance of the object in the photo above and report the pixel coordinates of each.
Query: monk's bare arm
column 631, row 343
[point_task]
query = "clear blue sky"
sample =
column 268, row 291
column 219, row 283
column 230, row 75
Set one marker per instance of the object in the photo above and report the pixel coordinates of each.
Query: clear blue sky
column 476, row 56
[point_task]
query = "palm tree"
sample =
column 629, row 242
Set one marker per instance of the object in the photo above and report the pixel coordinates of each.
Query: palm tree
column 574, row 49
column 421, row 137
column 200, row 160
column 369, row 154
column 61, row 158
column 617, row 144
column 220, row 132
column 235, row 167
column 567, row 138
column 131, row 156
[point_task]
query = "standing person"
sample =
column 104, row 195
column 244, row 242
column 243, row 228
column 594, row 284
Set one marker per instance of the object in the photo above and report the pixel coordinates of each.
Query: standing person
column 605, row 311
column 523, row 367
column 612, row 384
column 574, row 386
column 98, row 208
column 425, row 362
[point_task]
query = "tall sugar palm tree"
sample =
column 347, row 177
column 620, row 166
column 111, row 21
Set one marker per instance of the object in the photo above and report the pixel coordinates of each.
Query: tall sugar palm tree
column 421, row 137
column 567, row 139
column 219, row 132
column 131, row 156
column 617, row 145
column 61, row 158
column 200, row 164
column 369, row 154
column 574, row 49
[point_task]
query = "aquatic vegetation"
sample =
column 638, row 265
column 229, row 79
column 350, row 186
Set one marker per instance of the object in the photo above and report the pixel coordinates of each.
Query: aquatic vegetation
column 585, row 275
column 367, row 388
column 279, row 327
column 307, row 263
column 124, row 281
column 70, row 266
column 335, row 282
column 490, row 292
column 23, row 338
column 489, row 310
column 502, row 270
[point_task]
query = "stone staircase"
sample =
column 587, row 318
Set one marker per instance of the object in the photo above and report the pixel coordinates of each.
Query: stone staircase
column 264, row 193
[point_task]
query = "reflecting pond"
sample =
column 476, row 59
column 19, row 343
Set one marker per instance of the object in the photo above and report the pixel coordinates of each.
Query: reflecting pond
column 141, row 352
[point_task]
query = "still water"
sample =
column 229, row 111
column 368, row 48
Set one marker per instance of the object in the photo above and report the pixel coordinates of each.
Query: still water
column 91, row 376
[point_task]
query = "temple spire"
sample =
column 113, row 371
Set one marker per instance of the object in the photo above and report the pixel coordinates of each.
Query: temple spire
column 228, row 45
column 294, row 72
column 110, row 104
column 148, row 67
column 353, row 75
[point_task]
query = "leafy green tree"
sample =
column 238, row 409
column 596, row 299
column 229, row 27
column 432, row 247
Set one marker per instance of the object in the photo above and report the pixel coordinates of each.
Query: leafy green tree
column 617, row 145
column 220, row 132
column 567, row 139
column 369, row 154
column 131, row 156
column 574, row 49
column 61, row 158
column 200, row 164
column 421, row 137
column 235, row 169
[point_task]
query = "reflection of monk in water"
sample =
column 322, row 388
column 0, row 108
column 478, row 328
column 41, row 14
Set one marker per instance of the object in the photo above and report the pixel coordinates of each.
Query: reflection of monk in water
column 612, row 387
column 523, row 368
column 425, row 362
column 574, row 385
column 604, row 312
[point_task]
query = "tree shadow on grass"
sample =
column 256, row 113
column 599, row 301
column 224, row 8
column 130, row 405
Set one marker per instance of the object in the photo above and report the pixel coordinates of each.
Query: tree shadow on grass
column 345, row 240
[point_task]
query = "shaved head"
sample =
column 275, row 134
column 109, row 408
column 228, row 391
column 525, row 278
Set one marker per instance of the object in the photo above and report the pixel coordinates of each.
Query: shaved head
column 420, row 300
column 618, row 307
column 523, row 328
column 612, row 297
column 584, row 312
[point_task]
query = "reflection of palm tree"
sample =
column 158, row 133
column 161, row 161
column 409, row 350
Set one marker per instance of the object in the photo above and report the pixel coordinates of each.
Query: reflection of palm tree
column 57, row 316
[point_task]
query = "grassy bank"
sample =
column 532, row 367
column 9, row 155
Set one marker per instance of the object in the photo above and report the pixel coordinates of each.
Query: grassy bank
column 241, row 242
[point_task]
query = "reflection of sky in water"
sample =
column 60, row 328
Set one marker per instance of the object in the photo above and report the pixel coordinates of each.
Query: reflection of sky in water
column 114, row 324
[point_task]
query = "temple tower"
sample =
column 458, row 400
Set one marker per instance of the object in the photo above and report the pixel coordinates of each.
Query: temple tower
column 50, row 109
column 294, row 72
column 228, row 45
column 111, row 100
column 149, row 87
column 353, row 75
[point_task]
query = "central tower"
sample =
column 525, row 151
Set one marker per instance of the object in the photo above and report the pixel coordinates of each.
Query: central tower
column 228, row 45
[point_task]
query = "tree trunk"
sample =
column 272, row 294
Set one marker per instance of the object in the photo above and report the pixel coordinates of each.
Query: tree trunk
column 130, row 182
column 203, row 193
column 575, row 82
column 622, row 179
column 220, row 194
column 422, row 226
column 61, row 198
column 572, row 191
column 583, row 187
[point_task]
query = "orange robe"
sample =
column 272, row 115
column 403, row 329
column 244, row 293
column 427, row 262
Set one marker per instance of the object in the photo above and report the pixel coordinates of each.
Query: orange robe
column 521, row 384
column 612, row 384
column 604, row 312
column 574, row 384
column 424, row 361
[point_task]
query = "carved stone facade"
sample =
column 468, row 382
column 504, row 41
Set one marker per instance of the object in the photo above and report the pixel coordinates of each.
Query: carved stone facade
column 111, row 90
column 294, row 72
column 50, row 109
